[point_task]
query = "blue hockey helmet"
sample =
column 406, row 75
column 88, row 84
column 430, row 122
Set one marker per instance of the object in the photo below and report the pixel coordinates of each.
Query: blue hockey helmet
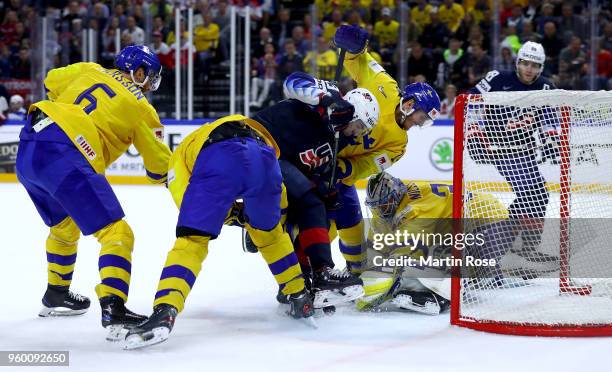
column 132, row 57
column 425, row 99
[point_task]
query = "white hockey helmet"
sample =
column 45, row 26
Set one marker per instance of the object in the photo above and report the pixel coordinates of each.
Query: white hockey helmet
column 533, row 52
column 366, row 106
column 384, row 194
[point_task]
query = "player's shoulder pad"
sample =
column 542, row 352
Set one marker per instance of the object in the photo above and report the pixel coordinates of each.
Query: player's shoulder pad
column 306, row 88
column 545, row 83
column 491, row 81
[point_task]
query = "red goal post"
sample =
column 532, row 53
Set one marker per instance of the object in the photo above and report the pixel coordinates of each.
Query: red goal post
column 575, row 297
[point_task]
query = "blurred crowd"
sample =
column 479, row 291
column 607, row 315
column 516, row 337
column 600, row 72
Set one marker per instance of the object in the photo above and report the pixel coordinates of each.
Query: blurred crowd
column 448, row 43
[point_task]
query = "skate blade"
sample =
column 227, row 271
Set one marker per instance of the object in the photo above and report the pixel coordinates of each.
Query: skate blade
column 332, row 298
column 116, row 332
column 405, row 302
column 137, row 341
column 49, row 312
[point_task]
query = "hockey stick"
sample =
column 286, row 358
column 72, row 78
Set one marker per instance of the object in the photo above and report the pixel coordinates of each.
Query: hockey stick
column 332, row 178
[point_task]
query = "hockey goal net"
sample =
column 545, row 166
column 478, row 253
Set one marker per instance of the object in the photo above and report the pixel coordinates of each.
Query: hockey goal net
column 532, row 176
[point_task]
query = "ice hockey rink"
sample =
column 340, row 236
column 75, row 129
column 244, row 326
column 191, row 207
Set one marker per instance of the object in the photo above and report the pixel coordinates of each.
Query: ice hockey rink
column 232, row 321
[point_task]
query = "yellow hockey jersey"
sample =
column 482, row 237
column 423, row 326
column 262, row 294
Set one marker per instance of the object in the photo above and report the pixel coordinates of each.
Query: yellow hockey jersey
column 103, row 113
column 183, row 159
column 386, row 143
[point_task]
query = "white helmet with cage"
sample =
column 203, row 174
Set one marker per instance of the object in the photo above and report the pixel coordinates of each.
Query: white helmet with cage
column 384, row 194
column 533, row 52
column 366, row 106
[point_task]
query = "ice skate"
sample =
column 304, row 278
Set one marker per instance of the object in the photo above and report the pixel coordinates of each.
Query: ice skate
column 60, row 301
column 116, row 318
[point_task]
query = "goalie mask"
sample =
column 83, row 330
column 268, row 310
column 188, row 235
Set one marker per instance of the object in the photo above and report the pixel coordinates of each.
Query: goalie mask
column 384, row 194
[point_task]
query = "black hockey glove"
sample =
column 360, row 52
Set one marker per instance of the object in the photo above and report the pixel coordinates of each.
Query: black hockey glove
column 236, row 216
column 339, row 110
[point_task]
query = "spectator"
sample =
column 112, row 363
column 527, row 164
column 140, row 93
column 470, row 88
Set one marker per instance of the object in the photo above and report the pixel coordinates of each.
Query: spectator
column 552, row 47
column 463, row 32
column 301, row 44
column 477, row 36
column 505, row 12
column 136, row 33
column 264, row 78
column 8, row 29
column 119, row 12
column 291, row 61
column 265, row 37
column 374, row 11
column 571, row 24
column 72, row 14
column 420, row 63
column 572, row 58
column 221, row 14
column 171, row 38
column 453, row 69
column 546, row 16
column 162, row 50
column 160, row 8
column 528, row 34
column 201, row 9
column 605, row 42
column 435, row 34
column 479, row 10
column 516, row 19
column 100, row 13
column 329, row 28
column 533, row 8
column 206, row 40
column 307, row 26
column 158, row 26
column 508, row 58
column 355, row 6
column 387, row 32
column 420, row 14
column 354, row 19
column 281, row 29
column 451, row 14
column 325, row 59
column 22, row 67
column 479, row 64
column 447, row 106
column 16, row 110
column 5, row 61
column 486, row 24
column 512, row 38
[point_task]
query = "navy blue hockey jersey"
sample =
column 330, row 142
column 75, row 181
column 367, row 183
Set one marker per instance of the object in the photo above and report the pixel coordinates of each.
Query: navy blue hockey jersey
column 301, row 132
column 496, row 81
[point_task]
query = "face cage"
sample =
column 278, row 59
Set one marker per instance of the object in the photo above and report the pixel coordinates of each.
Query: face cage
column 386, row 207
column 363, row 128
column 154, row 77
column 426, row 123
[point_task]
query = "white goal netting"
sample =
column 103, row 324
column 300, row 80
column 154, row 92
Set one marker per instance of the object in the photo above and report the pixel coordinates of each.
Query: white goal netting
column 537, row 185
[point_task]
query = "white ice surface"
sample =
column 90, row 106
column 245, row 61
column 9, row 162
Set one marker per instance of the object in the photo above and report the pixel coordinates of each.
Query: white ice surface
column 231, row 321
